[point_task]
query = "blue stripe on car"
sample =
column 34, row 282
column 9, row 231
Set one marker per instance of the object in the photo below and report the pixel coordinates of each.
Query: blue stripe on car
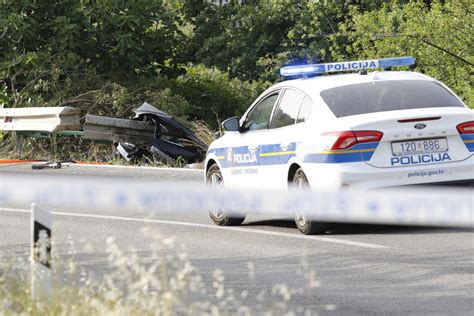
column 274, row 154
column 468, row 140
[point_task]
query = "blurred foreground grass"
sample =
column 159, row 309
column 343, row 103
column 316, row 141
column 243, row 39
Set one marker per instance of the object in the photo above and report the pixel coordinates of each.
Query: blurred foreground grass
column 164, row 282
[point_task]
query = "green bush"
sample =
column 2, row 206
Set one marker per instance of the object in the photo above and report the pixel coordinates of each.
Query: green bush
column 212, row 96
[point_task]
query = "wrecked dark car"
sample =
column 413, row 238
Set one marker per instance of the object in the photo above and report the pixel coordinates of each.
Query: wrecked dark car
column 172, row 139
column 151, row 134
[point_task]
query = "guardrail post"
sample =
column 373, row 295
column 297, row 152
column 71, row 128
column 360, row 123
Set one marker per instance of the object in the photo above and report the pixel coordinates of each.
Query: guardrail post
column 55, row 146
column 19, row 143
column 40, row 252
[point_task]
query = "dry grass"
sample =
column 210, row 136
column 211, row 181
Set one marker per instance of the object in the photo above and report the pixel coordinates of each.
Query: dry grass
column 162, row 283
column 204, row 132
column 60, row 148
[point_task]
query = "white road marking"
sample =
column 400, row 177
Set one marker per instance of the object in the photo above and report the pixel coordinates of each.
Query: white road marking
column 238, row 229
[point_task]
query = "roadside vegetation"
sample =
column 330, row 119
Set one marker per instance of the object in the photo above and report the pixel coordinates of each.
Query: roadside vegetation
column 203, row 62
column 161, row 281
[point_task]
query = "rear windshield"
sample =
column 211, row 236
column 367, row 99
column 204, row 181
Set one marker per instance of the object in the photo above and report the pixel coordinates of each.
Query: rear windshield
column 383, row 96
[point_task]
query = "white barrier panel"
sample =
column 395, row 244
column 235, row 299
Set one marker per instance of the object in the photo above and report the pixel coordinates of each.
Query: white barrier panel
column 42, row 119
column 420, row 206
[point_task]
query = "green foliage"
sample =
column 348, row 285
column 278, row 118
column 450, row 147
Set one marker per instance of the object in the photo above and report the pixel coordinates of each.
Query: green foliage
column 51, row 52
column 118, row 37
column 204, row 62
column 167, row 101
column 253, row 41
column 213, row 95
column 440, row 36
column 233, row 38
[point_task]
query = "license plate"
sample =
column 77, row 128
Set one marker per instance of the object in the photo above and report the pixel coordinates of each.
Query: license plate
column 421, row 146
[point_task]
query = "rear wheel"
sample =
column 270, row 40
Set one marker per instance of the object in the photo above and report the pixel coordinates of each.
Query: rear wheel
column 219, row 216
column 304, row 224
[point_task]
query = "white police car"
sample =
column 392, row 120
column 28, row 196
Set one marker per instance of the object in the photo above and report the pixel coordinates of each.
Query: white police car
column 366, row 130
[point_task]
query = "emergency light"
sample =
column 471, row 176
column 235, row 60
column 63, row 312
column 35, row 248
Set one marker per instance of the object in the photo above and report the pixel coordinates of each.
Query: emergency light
column 315, row 69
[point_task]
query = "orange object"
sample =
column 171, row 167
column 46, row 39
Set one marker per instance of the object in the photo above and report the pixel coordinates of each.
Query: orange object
column 20, row 161
column 16, row 161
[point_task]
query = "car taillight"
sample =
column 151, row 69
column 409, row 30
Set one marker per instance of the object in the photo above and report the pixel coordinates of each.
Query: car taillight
column 466, row 127
column 347, row 139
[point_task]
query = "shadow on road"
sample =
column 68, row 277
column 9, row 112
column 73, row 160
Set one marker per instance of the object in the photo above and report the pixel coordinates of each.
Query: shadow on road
column 359, row 229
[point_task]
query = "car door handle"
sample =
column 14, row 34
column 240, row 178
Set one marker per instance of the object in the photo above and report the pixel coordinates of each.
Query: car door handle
column 285, row 147
column 253, row 148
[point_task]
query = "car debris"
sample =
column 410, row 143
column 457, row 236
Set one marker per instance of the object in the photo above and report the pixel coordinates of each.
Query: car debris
column 47, row 165
column 171, row 140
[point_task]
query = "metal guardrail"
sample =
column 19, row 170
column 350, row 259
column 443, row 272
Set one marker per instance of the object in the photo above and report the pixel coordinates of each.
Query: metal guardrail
column 49, row 122
column 65, row 121
column 41, row 119
column 115, row 129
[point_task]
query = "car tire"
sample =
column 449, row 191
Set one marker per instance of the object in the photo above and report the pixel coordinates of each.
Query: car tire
column 304, row 225
column 220, row 216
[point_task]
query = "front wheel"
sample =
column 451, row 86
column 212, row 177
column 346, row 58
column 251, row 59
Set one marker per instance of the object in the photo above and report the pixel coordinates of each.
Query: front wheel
column 219, row 216
column 304, row 224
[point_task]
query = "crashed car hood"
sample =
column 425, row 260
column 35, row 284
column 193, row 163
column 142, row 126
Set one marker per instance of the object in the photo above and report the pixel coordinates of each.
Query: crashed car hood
column 147, row 108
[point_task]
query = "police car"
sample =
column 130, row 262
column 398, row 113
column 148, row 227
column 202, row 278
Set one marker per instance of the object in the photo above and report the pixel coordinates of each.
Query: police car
column 365, row 130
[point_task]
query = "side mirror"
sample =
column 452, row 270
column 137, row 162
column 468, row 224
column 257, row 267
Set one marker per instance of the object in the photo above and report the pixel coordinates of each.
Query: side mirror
column 231, row 124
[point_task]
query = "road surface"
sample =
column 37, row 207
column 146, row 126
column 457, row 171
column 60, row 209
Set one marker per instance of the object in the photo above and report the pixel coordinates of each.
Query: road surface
column 351, row 270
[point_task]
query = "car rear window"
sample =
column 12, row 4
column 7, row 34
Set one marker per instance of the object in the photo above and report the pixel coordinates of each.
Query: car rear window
column 380, row 96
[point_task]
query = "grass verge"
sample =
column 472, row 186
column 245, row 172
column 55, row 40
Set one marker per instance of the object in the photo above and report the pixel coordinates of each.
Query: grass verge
column 162, row 282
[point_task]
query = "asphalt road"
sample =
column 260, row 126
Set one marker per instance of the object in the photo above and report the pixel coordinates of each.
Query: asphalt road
column 351, row 270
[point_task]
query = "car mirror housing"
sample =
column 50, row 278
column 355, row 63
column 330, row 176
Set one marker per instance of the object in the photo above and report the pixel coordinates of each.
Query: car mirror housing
column 231, row 124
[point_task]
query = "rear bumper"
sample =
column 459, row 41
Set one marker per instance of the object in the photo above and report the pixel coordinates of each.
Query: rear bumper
column 364, row 176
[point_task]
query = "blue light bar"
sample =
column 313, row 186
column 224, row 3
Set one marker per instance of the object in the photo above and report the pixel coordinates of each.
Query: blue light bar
column 314, row 69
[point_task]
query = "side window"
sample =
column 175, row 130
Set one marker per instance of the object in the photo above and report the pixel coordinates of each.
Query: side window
column 305, row 110
column 259, row 117
column 287, row 111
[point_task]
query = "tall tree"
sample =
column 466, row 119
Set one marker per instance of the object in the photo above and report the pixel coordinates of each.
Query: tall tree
column 440, row 36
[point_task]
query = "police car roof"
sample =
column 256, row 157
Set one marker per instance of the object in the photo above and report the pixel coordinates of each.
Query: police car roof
column 314, row 85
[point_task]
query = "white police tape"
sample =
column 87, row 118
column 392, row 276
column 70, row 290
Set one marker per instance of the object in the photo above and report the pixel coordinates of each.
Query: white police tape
column 439, row 207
